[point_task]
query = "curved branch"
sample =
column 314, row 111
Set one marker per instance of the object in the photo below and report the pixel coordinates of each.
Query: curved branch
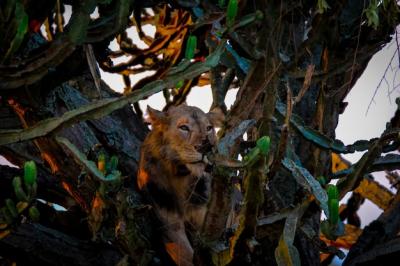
column 104, row 107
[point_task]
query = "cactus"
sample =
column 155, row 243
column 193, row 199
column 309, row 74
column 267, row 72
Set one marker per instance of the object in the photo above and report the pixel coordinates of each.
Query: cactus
column 101, row 163
column 333, row 192
column 263, row 144
column 11, row 208
column 332, row 227
column 24, row 196
column 34, row 214
column 261, row 149
column 322, row 180
column 333, row 206
column 7, row 215
column 18, row 190
column 191, row 45
column 231, row 12
column 113, row 163
column 30, row 173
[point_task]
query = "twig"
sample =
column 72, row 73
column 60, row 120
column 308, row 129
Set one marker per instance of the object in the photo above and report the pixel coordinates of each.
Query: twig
column 380, row 82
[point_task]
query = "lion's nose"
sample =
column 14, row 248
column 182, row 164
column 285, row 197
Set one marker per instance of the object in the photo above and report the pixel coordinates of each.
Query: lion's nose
column 204, row 147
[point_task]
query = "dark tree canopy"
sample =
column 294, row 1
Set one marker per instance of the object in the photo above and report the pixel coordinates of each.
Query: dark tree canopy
column 293, row 63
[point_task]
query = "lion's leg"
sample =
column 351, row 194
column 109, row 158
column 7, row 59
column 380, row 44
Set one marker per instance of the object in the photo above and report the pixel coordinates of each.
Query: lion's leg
column 175, row 239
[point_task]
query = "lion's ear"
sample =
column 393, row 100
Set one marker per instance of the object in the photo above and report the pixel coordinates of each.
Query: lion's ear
column 216, row 117
column 156, row 117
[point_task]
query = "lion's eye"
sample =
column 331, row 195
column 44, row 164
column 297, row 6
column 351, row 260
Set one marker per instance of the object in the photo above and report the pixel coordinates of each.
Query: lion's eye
column 209, row 128
column 184, row 128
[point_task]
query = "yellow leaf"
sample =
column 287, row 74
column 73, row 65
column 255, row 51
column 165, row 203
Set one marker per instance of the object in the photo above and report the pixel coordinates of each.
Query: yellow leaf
column 339, row 163
column 375, row 192
column 3, row 226
column 21, row 206
column 5, row 233
column 351, row 234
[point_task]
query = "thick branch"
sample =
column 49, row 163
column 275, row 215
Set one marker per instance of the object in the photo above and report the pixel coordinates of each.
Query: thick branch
column 34, row 244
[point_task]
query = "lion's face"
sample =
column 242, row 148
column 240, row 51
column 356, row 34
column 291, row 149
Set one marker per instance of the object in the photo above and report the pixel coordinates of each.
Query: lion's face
column 187, row 128
column 191, row 126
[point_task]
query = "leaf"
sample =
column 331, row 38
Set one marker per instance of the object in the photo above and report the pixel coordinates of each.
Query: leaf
column 104, row 107
column 322, row 6
column 8, row 218
column 311, row 134
column 114, row 175
column 339, row 163
column 21, row 206
column 89, row 166
column 18, row 190
column 286, row 255
column 347, row 240
column 332, row 231
column 4, row 233
column 101, row 163
column 243, row 63
column 104, row 2
column 333, row 192
column 372, row 15
column 263, row 144
column 30, row 173
column 22, row 19
column 191, row 45
column 360, row 169
column 228, row 140
column 333, row 205
column 321, row 140
column 34, row 214
column 96, row 213
column 375, row 192
column 11, row 208
column 305, row 179
column 113, row 163
column 231, row 12
column 254, row 182
column 389, row 162
column 79, row 22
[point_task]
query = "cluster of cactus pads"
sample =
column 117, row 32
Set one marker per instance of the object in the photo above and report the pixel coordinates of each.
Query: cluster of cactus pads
column 24, row 204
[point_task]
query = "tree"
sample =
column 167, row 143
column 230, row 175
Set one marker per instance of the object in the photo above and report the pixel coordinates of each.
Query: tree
column 293, row 62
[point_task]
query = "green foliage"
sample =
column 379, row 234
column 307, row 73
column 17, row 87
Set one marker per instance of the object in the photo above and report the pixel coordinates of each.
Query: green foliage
column 332, row 192
column 90, row 166
column 11, row 208
column 332, row 227
column 191, row 45
column 25, row 193
column 332, row 231
column 263, row 144
column 372, row 14
column 231, row 12
column 287, row 254
column 333, row 211
column 34, row 214
column 30, row 173
column 20, row 20
column 322, row 6
column 113, row 164
column 306, row 180
column 19, row 192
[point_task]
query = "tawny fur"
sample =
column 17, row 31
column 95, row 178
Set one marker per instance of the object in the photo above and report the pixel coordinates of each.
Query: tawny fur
column 173, row 172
